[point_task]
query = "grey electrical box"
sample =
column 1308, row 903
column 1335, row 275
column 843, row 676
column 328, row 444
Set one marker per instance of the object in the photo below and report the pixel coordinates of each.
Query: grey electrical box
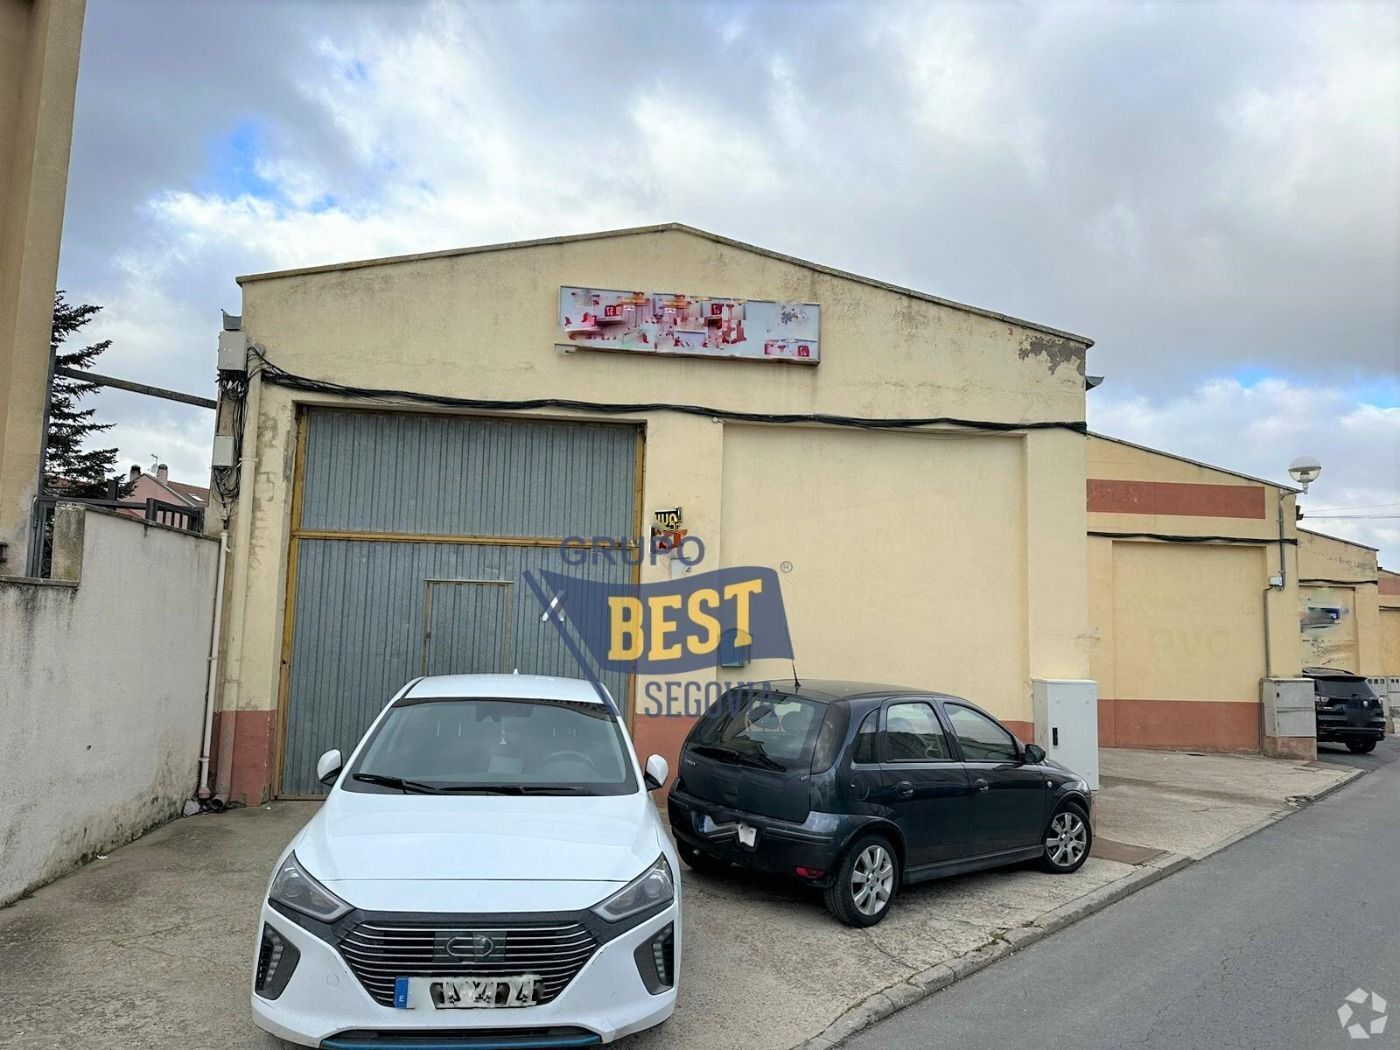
column 223, row 451
column 1289, row 708
column 1066, row 714
column 233, row 352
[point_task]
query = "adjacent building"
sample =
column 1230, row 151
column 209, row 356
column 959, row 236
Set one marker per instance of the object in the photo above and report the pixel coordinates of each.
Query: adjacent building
column 1338, row 600
column 158, row 486
column 1206, row 598
column 39, row 43
column 1193, row 598
column 1388, row 600
column 420, row 431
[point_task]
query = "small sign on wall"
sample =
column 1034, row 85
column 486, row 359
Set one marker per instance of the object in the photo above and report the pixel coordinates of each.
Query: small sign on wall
column 680, row 325
column 666, row 531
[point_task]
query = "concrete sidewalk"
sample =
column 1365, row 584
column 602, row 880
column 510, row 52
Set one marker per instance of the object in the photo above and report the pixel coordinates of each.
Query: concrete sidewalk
column 1193, row 804
column 152, row 946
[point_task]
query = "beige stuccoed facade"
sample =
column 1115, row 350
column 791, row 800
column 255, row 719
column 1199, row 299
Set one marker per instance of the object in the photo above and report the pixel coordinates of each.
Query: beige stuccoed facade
column 943, row 556
column 1389, row 616
column 1339, row 604
column 1183, row 617
column 39, row 44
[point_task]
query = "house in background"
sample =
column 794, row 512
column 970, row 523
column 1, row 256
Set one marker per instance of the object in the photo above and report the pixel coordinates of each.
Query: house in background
column 158, row 486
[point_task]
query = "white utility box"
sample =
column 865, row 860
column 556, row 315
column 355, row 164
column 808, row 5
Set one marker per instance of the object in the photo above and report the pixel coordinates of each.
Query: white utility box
column 233, row 352
column 1067, row 723
column 223, row 451
column 1289, row 707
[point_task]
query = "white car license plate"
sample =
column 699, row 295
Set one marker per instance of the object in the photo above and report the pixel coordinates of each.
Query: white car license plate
column 464, row 993
column 748, row 835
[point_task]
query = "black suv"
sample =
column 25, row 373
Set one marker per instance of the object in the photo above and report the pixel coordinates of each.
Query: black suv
column 1348, row 710
column 861, row 788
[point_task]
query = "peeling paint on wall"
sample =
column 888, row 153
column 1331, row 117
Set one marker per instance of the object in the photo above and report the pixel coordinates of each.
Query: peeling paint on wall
column 1055, row 350
column 1328, row 627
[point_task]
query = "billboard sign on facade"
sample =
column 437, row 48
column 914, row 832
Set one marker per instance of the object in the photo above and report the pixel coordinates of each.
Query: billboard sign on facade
column 680, row 325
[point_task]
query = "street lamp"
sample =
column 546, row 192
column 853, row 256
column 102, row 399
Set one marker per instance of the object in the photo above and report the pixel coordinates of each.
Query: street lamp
column 1304, row 470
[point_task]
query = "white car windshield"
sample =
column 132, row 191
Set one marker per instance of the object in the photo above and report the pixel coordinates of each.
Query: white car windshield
column 486, row 746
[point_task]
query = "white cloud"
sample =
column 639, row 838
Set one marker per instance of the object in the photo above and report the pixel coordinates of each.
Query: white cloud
column 1260, row 429
column 179, row 436
column 959, row 89
column 1198, row 187
column 1303, row 144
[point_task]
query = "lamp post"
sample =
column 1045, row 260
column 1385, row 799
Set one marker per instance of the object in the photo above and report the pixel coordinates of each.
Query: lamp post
column 1304, row 471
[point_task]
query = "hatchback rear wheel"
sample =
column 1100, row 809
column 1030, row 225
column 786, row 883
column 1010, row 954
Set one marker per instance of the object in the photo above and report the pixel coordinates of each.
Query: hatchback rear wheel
column 1067, row 841
column 864, row 886
column 1361, row 747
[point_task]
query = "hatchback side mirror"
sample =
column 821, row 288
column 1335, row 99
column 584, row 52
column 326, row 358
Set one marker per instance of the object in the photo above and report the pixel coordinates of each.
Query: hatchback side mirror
column 1035, row 754
column 328, row 766
column 657, row 770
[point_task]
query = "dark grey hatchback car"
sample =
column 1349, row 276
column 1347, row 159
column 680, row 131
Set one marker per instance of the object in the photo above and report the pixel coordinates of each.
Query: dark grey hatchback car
column 860, row 789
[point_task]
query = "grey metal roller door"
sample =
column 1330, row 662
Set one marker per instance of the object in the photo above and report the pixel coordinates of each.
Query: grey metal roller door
column 413, row 532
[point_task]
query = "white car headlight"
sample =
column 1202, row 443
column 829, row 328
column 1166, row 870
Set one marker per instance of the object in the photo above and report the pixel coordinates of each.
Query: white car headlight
column 294, row 888
column 652, row 887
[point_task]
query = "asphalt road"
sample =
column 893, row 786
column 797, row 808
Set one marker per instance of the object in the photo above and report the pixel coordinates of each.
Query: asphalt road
column 1254, row 947
column 1386, row 752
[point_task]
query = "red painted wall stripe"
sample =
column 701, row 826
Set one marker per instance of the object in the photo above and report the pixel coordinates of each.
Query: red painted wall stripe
column 1107, row 496
column 1200, row 725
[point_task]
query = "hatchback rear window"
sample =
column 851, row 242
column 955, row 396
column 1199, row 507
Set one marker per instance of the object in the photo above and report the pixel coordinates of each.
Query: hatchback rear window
column 1345, row 689
column 767, row 730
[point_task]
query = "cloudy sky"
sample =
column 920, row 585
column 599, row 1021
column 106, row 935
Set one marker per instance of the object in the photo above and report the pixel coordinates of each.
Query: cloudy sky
column 1210, row 191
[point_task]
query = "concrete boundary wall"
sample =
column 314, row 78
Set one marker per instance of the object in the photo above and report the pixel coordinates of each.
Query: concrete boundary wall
column 102, row 677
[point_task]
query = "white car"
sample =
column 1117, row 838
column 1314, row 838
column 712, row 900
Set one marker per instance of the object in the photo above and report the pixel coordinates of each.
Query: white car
column 487, row 870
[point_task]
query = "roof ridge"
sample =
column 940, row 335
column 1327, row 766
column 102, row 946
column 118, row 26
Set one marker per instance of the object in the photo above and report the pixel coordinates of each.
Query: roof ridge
column 666, row 227
column 1193, row 462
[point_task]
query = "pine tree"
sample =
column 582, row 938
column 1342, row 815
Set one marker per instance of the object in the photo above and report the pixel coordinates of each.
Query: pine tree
column 71, row 469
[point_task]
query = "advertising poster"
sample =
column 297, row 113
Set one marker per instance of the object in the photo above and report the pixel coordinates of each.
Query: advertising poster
column 681, row 325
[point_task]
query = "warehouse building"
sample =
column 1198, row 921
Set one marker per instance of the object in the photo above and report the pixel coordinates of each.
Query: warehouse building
column 1338, row 601
column 1388, row 614
column 1193, row 598
column 415, row 435
column 1389, row 602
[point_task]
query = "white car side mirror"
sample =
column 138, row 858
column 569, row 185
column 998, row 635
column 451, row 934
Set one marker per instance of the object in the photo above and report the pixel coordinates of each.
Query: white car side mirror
column 329, row 765
column 657, row 770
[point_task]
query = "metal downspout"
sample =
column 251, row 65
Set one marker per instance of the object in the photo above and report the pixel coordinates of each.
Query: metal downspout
column 1282, row 586
column 247, row 470
column 202, row 789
